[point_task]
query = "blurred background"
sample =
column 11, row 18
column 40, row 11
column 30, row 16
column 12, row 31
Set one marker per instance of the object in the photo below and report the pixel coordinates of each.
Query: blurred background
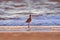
column 16, row 12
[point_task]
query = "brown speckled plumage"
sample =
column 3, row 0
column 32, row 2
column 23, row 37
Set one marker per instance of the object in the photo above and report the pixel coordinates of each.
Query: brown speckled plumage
column 29, row 19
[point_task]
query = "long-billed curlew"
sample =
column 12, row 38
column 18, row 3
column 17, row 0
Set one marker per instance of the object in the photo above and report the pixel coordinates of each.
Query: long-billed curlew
column 28, row 21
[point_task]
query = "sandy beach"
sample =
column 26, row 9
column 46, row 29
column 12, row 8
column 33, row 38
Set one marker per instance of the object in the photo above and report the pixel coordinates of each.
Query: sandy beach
column 30, row 36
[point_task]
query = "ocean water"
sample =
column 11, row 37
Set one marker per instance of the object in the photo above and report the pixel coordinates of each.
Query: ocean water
column 45, row 20
column 13, row 9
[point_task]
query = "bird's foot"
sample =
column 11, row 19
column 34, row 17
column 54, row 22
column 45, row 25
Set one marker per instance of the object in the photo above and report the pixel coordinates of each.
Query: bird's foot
column 28, row 29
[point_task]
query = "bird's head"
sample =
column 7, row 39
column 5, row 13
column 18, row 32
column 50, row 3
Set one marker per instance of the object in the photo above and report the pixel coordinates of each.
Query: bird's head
column 30, row 15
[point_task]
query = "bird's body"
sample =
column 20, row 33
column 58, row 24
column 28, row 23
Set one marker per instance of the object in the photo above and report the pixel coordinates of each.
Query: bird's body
column 28, row 21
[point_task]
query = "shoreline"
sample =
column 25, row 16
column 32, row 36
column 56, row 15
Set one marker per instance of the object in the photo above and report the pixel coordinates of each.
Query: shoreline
column 32, row 29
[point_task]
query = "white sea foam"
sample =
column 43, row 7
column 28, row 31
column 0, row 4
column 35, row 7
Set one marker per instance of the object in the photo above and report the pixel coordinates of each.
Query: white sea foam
column 37, row 8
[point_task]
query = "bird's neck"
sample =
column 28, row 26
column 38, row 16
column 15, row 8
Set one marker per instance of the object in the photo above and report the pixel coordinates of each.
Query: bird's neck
column 30, row 17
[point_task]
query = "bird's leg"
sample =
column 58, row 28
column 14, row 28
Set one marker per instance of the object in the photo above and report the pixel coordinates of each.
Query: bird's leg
column 28, row 26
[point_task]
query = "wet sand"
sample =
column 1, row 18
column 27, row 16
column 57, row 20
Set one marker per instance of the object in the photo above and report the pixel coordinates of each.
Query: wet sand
column 32, row 28
column 30, row 35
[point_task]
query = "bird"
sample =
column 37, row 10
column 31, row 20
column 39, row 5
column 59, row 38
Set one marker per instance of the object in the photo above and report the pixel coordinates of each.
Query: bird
column 28, row 21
